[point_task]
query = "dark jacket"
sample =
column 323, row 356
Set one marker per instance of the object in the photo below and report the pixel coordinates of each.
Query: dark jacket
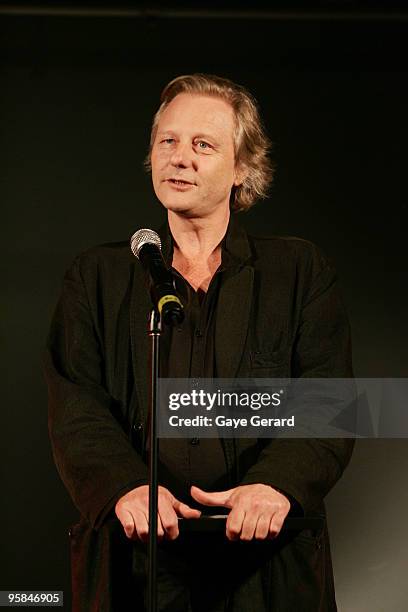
column 278, row 315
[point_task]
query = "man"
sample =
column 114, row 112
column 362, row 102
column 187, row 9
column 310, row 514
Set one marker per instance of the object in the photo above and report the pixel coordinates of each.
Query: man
column 254, row 308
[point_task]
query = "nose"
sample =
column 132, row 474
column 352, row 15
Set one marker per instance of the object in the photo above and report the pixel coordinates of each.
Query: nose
column 182, row 155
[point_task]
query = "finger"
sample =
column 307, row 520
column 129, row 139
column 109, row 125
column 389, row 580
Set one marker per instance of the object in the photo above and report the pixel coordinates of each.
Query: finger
column 275, row 526
column 160, row 529
column 169, row 520
column 234, row 523
column 126, row 519
column 184, row 510
column 249, row 525
column 262, row 527
column 141, row 526
column 219, row 498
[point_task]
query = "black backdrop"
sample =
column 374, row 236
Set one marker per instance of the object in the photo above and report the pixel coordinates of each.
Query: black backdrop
column 77, row 95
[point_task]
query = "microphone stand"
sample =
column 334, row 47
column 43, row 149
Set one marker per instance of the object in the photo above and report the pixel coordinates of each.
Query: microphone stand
column 154, row 332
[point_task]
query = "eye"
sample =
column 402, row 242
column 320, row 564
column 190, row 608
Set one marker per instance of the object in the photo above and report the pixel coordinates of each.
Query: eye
column 167, row 140
column 203, row 145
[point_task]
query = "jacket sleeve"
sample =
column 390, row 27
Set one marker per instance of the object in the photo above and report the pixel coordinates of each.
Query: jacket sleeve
column 306, row 469
column 93, row 455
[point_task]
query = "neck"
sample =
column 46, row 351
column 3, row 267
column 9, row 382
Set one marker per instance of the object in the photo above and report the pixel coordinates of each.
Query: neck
column 198, row 237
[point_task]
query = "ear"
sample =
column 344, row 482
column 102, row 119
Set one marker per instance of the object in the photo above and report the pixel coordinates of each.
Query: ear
column 241, row 173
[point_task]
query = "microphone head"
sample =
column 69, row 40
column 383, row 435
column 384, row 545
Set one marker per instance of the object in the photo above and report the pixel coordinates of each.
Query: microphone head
column 141, row 237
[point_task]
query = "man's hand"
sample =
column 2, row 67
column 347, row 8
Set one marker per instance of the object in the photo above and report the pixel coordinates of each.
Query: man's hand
column 133, row 512
column 257, row 510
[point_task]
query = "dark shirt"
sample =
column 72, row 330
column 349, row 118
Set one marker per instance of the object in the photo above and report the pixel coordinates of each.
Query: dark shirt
column 188, row 352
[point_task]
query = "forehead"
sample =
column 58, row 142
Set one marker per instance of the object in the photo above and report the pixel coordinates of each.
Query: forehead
column 198, row 113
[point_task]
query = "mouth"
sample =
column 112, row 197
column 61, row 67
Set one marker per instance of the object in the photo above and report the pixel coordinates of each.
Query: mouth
column 179, row 182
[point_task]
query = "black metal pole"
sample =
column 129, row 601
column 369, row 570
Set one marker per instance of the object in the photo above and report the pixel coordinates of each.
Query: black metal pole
column 154, row 333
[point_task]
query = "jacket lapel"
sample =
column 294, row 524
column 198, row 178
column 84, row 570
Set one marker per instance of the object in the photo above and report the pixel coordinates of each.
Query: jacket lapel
column 234, row 301
column 140, row 307
column 232, row 321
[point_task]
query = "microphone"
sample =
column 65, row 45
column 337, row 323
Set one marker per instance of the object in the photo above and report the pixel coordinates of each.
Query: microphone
column 146, row 246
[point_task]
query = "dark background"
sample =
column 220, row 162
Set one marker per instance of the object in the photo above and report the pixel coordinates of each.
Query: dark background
column 79, row 85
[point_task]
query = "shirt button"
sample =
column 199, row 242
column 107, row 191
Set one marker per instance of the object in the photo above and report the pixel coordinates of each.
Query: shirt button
column 198, row 333
column 194, row 441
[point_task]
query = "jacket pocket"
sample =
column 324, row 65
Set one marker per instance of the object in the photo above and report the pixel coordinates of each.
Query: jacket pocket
column 310, row 537
column 266, row 363
column 301, row 574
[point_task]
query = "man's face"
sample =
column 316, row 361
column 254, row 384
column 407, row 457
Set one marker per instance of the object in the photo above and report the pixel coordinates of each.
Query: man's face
column 193, row 165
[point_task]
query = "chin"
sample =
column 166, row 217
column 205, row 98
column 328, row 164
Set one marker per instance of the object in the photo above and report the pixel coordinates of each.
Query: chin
column 176, row 205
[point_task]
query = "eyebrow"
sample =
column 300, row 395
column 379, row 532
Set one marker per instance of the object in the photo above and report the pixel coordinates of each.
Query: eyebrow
column 198, row 135
column 163, row 132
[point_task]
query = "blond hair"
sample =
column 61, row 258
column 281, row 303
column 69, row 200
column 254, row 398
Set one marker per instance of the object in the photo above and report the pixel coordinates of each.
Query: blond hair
column 251, row 144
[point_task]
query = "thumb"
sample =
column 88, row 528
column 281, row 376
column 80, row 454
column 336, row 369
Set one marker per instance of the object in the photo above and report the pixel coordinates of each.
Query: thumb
column 218, row 498
column 184, row 510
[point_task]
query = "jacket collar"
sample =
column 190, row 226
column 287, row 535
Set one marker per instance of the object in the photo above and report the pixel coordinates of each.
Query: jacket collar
column 235, row 245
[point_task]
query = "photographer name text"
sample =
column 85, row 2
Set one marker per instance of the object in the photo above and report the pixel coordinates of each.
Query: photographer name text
column 235, row 422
